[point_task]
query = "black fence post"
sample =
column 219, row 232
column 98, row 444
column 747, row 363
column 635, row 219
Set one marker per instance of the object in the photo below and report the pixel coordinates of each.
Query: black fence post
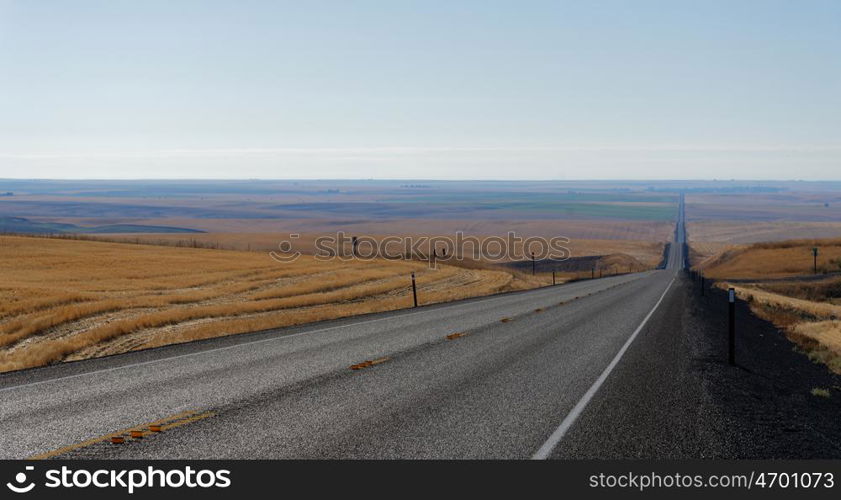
column 414, row 290
column 592, row 273
column 553, row 278
column 731, row 296
column 532, row 264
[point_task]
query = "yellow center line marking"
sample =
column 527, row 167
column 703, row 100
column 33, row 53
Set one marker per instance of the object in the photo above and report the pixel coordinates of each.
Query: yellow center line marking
column 366, row 364
column 164, row 423
column 190, row 420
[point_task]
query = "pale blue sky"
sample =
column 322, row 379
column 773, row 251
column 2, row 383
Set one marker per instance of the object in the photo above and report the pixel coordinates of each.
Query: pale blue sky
column 422, row 89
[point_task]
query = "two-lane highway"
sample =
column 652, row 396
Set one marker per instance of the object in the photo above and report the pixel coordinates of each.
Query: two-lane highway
column 509, row 384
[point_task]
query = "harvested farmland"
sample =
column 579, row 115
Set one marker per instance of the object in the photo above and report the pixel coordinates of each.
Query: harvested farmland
column 66, row 299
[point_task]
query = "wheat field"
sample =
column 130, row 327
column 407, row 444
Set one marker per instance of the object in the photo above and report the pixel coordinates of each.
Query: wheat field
column 66, row 299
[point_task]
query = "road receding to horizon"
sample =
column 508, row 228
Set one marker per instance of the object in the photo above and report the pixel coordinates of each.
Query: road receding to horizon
column 620, row 367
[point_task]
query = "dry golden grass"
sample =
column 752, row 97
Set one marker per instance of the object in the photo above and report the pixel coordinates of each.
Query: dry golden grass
column 812, row 325
column 620, row 263
column 822, row 341
column 800, row 308
column 774, row 260
column 67, row 299
column 701, row 253
column 825, row 290
column 64, row 299
column 806, row 310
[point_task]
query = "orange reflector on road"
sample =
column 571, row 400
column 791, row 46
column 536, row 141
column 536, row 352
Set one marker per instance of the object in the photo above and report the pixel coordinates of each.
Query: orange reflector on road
column 118, row 439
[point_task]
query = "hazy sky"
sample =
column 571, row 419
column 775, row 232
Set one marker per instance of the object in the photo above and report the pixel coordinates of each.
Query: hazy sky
column 422, row 89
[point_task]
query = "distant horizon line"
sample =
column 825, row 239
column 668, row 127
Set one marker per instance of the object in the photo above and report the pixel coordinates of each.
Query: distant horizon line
column 398, row 179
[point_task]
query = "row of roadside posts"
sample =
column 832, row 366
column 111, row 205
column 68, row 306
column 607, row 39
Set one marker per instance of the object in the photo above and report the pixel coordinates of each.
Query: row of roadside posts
column 731, row 315
column 415, row 287
column 554, row 282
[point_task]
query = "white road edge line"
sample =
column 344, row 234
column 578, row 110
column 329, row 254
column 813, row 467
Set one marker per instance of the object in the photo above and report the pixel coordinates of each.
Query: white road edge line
column 253, row 342
column 556, row 437
column 197, row 353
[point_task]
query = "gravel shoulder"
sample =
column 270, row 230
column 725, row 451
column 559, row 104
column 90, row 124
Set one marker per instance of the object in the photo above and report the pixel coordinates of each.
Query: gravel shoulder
column 674, row 396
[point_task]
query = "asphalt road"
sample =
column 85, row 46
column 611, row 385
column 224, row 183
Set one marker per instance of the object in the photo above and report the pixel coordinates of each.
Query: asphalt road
column 520, row 382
